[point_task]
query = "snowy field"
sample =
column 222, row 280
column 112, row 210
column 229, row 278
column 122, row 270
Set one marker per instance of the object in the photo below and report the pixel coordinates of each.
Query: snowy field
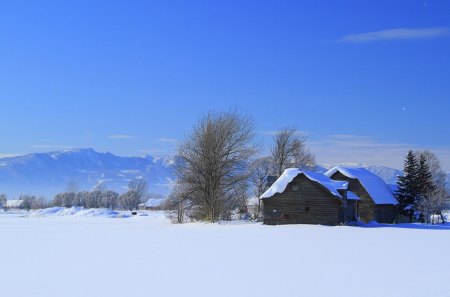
column 72, row 253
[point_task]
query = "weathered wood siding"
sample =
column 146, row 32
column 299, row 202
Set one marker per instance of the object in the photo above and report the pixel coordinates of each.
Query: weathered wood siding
column 367, row 210
column 351, row 211
column 303, row 202
column 386, row 213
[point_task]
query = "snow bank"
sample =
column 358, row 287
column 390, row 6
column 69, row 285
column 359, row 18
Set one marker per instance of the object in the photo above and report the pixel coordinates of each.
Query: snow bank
column 289, row 174
column 378, row 190
column 77, row 212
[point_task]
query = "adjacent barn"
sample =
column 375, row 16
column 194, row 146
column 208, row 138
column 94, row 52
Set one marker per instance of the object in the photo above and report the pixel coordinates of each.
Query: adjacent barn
column 376, row 199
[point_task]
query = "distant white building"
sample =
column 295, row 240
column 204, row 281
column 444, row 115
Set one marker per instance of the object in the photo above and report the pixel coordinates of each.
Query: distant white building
column 153, row 204
column 14, row 204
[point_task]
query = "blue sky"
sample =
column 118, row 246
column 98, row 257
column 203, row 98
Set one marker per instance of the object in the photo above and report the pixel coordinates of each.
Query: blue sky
column 367, row 80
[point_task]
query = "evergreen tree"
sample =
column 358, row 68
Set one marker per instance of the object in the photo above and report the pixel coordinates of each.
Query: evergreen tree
column 408, row 190
column 425, row 183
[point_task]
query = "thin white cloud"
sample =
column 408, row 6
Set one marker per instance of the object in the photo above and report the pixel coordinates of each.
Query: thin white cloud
column 397, row 34
column 121, row 136
column 50, row 146
column 168, row 140
column 337, row 149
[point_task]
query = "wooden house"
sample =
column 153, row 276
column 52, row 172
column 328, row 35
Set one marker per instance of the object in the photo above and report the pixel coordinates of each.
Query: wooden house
column 302, row 197
column 376, row 200
column 340, row 196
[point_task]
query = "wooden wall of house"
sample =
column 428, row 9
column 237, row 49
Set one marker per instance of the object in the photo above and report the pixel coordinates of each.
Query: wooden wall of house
column 350, row 211
column 385, row 213
column 303, row 202
column 366, row 206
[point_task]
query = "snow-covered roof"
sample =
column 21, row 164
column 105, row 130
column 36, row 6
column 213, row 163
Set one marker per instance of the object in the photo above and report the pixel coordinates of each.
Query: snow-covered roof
column 154, row 202
column 289, row 174
column 378, row 190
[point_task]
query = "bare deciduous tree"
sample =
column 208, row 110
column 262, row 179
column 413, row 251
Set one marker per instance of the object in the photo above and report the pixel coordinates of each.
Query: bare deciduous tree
column 27, row 202
column 110, row 199
column 178, row 201
column 140, row 186
column 82, row 198
column 129, row 200
column 432, row 203
column 40, row 203
column 235, row 202
column 57, row 200
column 94, row 199
column 68, row 199
column 260, row 169
column 290, row 150
column 213, row 158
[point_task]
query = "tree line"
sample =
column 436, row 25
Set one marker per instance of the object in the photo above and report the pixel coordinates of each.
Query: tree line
column 100, row 197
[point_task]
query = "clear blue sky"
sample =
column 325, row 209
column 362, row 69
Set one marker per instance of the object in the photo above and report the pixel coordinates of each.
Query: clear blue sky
column 366, row 80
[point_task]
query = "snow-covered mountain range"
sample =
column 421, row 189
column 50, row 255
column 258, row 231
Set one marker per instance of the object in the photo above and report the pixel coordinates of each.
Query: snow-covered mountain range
column 45, row 174
column 49, row 173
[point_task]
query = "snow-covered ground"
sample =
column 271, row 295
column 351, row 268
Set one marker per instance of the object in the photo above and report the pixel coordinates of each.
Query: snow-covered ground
column 79, row 253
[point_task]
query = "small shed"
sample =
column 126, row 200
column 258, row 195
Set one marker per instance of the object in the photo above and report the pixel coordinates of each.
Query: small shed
column 376, row 199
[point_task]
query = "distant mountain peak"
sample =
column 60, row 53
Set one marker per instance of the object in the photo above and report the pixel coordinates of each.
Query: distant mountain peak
column 49, row 173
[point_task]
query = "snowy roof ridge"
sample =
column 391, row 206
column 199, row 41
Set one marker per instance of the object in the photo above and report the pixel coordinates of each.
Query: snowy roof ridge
column 378, row 190
column 289, row 174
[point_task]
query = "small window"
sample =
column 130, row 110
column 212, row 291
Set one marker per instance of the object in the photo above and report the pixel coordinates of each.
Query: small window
column 306, row 208
column 295, row 188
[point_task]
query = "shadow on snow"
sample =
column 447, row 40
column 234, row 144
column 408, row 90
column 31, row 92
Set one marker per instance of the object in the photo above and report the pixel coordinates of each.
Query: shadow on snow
column 445, row 226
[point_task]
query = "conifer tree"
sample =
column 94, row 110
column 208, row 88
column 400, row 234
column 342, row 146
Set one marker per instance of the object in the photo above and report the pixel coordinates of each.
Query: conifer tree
column 425, row 183
column 408, row 191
